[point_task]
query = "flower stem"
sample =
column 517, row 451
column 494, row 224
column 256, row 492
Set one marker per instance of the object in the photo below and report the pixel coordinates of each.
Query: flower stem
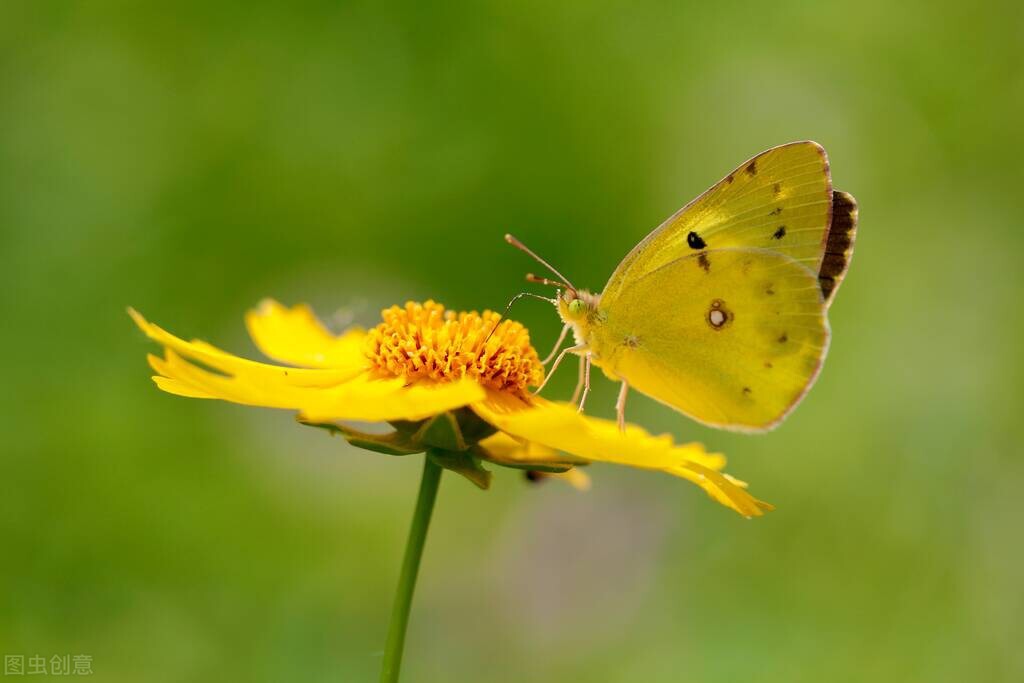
column 410, row 566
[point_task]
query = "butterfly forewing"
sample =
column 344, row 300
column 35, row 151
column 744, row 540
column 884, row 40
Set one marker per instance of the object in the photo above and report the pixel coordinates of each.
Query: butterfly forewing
column 780, row 200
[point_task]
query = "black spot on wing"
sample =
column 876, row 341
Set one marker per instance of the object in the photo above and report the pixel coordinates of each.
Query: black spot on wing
column 695, row 241
column 777, row 189
column 780, row 233
column 783, row 338
column 704, row 262
column 776, row 211
column 752, row 167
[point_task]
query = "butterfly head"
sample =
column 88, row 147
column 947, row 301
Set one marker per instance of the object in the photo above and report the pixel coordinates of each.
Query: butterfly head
column 576, row 307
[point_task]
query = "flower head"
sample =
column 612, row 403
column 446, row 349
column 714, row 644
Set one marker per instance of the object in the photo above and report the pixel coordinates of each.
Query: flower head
column 452, row 385
column 426, row 342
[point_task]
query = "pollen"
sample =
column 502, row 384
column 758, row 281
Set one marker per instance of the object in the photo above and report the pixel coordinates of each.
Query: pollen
column 426, row 342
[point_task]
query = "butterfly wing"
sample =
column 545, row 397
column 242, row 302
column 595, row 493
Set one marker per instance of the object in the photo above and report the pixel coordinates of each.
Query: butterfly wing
column 780, row 200
column 734, row 338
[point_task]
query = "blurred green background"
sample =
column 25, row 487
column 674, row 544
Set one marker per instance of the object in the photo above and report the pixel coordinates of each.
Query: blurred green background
column 191, row 158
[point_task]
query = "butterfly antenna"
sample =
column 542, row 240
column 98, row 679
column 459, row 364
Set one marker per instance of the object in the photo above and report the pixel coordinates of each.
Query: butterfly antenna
column 563, row 282
column 530, row 277
column 516, row 298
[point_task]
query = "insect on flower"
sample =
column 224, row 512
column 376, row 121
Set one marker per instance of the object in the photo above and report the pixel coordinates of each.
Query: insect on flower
column 722, row 311
column 452, row 385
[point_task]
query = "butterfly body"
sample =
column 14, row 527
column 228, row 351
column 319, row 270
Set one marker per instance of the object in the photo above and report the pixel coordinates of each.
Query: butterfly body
column 721, row 312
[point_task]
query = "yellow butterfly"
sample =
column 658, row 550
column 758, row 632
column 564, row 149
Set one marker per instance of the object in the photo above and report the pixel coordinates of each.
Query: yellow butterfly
column 720, row 312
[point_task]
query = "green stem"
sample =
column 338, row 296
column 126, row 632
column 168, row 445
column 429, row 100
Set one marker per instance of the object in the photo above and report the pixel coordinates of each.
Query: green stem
column 410, row 567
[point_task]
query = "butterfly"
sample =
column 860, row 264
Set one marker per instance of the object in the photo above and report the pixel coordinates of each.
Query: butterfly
column 721, row 312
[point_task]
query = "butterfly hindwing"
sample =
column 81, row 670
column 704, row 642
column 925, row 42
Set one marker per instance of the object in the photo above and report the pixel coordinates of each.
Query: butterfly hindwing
column 731, row 337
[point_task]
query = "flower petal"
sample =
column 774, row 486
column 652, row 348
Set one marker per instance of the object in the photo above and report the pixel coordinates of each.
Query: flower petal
column 502, row 448
column 177, row 387
column 229, row 364
column 295, row 336
column 320, row 394
column 560, row 426
column 361, row 398
column 371, row 399
column 575, row 477
column 722, row 488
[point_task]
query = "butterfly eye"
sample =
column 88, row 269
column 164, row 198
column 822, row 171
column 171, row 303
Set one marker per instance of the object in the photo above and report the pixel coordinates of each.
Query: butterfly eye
column 576, row 306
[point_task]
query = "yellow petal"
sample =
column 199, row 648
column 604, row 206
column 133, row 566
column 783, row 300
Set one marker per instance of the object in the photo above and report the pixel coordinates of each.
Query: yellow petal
column 722, row 488
column 362, row 397
column 229, row 364
column 503, row 448
column 177, row 387
column 561, row 427
column 576, row 478
column 199, row 370
column 370, row 399
column 295, row 336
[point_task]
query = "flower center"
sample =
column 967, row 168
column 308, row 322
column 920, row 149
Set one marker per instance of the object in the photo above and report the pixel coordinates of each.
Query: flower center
column 424, row 341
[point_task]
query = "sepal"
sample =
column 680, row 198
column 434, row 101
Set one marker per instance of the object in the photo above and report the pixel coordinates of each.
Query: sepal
column 464, row 463
column 392, row 443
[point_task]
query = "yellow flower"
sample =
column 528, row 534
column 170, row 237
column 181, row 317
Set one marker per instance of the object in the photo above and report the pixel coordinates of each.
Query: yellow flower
column 453, row 385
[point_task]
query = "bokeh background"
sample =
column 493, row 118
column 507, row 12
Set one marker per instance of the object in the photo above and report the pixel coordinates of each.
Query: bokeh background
column 191, row 158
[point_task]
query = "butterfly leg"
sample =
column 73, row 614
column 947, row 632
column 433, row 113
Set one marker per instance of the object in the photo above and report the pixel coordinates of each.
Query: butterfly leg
column 586, row 380
column 561, row 338
column 620, row 405
column 579, row 384
column 558, row 361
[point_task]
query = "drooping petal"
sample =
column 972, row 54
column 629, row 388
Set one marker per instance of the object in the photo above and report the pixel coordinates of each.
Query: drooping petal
column 502, row 448
column 561, row 427
column 295, row 336
column 722, row 488
column 575, row 477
